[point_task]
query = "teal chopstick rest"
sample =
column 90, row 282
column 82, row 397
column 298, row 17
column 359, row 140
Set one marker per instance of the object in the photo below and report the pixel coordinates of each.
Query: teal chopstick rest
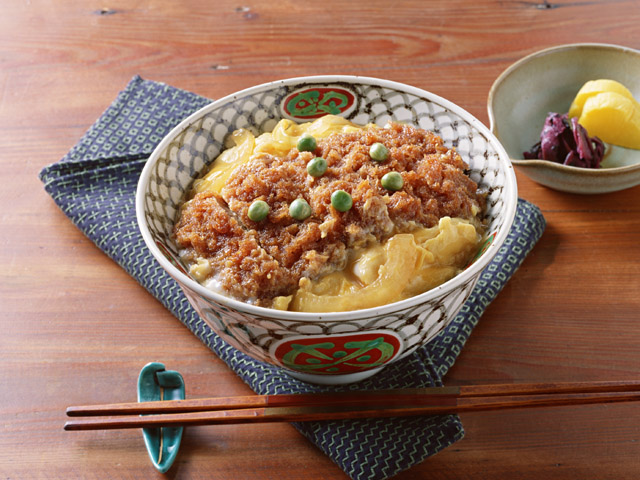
column 154, row 384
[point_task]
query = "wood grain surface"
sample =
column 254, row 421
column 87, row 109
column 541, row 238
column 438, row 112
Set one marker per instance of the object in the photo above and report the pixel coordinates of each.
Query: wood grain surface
column 76, row 329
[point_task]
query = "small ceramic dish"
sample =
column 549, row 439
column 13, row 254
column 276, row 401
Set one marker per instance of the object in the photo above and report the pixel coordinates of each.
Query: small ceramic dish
column 547, row 81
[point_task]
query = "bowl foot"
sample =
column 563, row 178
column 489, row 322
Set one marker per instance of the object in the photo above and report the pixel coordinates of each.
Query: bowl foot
column 334, row 379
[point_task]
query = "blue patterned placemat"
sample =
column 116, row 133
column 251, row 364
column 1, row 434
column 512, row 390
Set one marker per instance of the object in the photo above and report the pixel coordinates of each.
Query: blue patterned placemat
column 94, row 185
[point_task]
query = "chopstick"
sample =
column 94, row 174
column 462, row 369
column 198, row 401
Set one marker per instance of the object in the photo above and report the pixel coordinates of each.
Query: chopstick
column 347, row 405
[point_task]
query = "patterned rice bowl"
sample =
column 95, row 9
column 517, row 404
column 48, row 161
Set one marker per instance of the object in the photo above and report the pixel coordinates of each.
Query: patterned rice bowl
column 323, row 348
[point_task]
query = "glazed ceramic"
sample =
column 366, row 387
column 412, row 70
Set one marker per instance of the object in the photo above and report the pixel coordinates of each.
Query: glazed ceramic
column 547, row 81
column 326, row 348
column 155, row 383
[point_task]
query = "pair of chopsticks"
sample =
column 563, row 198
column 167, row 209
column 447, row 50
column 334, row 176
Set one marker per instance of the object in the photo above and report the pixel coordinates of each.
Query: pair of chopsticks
column 347, row 405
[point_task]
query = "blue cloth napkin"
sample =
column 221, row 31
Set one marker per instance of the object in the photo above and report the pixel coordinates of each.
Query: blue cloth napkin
column 94, row 185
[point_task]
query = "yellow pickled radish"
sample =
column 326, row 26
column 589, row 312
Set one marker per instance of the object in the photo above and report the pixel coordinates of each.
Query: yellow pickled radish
column 612, row 117
column 593, row 88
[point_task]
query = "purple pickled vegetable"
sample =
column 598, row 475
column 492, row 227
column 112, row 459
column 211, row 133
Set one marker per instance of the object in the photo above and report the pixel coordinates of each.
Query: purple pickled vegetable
column 568, row 143
column 555, row 139
column 589, row 149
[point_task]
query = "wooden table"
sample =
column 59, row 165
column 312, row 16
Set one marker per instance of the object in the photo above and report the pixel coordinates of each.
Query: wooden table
column 76, row 329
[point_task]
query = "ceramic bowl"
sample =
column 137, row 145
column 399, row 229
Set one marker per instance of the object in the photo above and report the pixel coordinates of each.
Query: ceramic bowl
column 329, row 348
column 547, row 81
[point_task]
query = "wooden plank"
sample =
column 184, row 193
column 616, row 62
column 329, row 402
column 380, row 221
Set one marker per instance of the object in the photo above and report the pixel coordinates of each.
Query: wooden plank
column 76, row 329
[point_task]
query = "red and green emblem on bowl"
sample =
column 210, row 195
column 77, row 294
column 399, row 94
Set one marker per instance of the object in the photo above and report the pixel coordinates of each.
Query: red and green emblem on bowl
column 338, row 354
column 315, row 102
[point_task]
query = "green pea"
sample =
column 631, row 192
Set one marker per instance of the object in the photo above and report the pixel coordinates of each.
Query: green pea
column 258, row 211
column 392, row 181
column 316, row 167
column 378, row 152
column 306, row 143
column 341, row 200
column 299, row 209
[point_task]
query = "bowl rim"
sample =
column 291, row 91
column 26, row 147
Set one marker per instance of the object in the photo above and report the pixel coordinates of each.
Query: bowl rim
column 587, row 172
column 462, row 278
